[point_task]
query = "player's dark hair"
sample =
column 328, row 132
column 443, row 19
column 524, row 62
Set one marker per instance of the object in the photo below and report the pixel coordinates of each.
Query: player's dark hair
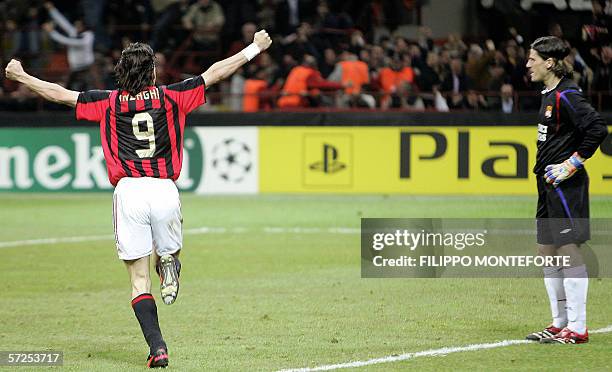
column 557, row 49
column 134, row 71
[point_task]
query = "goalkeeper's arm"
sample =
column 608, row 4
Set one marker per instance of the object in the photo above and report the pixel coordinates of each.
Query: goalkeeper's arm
column 592, row 129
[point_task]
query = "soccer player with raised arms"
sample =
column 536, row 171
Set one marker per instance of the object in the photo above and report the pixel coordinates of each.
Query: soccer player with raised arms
column 141, row 128
column 569, row 133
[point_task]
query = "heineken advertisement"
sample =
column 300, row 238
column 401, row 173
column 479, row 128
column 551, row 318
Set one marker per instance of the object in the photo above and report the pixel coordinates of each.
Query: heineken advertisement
column 215, row 160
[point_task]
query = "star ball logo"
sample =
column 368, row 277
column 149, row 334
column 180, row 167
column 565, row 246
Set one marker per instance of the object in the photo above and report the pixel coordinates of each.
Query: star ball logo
column 232, row 159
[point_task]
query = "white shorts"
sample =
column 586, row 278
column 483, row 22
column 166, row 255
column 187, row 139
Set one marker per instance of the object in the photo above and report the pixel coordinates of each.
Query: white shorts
column 147, row 214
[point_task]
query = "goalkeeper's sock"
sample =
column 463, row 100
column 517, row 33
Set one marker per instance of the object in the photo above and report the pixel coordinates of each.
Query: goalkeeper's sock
column 576, row 285
column 146, row 313
column 553, row 281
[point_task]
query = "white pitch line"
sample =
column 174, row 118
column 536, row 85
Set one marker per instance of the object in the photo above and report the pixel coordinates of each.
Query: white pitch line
column 426, row 353
column 194, row 231
column 46, row 241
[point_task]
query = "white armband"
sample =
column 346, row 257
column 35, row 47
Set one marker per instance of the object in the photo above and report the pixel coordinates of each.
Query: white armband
column 251, row 51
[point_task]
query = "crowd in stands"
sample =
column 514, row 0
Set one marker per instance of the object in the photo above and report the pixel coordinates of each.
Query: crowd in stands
column 326, row 53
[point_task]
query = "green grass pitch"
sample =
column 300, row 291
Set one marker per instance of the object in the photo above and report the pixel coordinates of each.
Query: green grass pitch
column 261, row 300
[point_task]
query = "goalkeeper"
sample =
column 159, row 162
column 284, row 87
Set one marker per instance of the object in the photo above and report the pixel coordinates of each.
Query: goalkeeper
column 569, row 132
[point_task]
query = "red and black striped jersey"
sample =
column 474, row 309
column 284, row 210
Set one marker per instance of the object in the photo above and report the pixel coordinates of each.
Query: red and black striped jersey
column 142, row 136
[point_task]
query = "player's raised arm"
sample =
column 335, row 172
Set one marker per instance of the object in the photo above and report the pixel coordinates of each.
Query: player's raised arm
column 49, row 91
column 225, row 68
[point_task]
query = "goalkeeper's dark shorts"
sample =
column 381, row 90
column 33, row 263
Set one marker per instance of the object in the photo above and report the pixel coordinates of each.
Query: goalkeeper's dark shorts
column 563, row 211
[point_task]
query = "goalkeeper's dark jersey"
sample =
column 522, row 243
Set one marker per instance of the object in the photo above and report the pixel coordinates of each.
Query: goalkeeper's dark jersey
column 567, row 124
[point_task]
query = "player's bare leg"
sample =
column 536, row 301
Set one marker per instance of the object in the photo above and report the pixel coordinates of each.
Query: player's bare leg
column 146, row 311
column 575, row 284
column 553, row 281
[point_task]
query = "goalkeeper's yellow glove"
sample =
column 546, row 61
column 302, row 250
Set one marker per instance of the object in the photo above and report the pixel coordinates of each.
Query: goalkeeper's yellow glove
column 557, row 173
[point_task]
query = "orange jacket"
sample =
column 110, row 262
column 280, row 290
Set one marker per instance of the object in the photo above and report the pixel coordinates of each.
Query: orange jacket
column 390, row 79
column 354, row 75
column 303, row 80
column 250, row 100
column 295, row 87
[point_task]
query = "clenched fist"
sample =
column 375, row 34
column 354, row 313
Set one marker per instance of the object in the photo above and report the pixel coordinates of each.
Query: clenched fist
column 262, row 40
column 14, row 70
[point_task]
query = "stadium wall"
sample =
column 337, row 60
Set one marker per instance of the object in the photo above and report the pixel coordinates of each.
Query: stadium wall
column 406, row 153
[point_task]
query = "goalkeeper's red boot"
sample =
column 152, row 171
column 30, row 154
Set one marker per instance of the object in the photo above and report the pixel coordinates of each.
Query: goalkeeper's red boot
column 158, row 359
column 567, row 336
column 547, row 332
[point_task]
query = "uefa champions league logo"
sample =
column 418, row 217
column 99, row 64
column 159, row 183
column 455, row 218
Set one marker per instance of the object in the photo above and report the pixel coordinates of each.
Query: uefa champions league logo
column 232, row 159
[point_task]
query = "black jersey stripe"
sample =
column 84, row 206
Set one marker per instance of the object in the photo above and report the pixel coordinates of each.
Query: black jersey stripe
column 177, row 127
column 93, row 96
column 155, row 167
column 164, row 135
column 139, row 168
column 124, row 165
column 187, row 84
column 107, row 126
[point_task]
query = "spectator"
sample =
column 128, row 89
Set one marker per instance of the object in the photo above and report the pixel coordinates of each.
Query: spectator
column 357, row 42
column 205, row 18
column 507, row 98
column 237, row 13
column 329, row 62
column 377, row 59
column 303, row 86
column 431, row 73
column 602, row 79
column 515, row 66
column 352, row 72
column 455, row 46
column 30, row 41
column 498, row 78
column 477, row 65
column 515, row 36
column 266, row 14
column 301, row 42
column 392, row 79
column 373, row 20
column 582, row 74
column 424, row 39
column 429, row 78
column 456, row 81
column 164, row 75
column 236, row 89
column 167, row 13
column 248, row 30
column 475, row 101
column 93, row 12
column 292, row 13
column 253, row 88
column 11, row 39
column 80, row 42
column 596, row 34
column 335, row 18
